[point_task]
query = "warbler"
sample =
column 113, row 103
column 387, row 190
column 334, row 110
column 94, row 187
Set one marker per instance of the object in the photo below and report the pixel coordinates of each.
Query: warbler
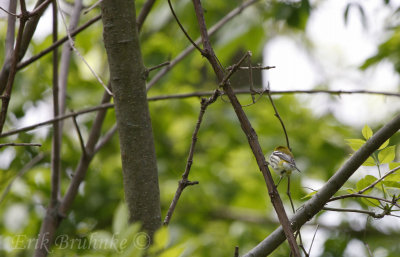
column 282, row 161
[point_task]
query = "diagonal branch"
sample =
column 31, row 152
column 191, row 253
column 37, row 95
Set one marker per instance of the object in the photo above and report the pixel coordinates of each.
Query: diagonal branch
column 318, row 201
column 182, row 28
column 247, row 129
column 190, row 48
column 279, row 118
column 13, row 69
column 34, row 58
column 185, row 182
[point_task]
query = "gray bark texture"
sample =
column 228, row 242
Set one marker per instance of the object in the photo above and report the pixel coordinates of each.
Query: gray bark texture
column 128, row 85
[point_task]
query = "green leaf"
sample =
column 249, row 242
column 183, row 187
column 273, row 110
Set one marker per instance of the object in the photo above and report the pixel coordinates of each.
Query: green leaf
column 367, row 132
column 364, row 182
column 393, row 177
column 384, row 145
column 355, row 144
column 173, row 251
column 391, row 183
column 309, row 195
column 370, row 202
column 387, row 155
column 161, row 239
column 394, row 165
column 369, row 162
column 120, row 220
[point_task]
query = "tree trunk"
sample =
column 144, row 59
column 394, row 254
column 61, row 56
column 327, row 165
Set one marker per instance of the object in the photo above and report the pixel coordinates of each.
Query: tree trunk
column 128, row 84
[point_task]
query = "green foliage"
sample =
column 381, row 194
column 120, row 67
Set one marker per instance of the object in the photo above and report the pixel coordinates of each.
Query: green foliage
column 388, row 50
column 223, row 164
column 383, row 156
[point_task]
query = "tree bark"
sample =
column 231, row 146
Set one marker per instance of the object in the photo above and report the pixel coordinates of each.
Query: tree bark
column 127, row 76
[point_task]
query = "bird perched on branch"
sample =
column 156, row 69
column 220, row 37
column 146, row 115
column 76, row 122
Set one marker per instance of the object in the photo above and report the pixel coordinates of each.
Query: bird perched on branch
column 282, row 161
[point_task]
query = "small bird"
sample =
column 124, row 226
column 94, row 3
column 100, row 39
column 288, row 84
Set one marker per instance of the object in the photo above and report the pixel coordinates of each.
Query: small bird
column 282, row 161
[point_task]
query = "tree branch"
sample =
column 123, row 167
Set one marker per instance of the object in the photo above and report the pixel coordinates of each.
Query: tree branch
column 250, row 133
column 185, row 182
column 34, row 58
column 143, row 13
column 190, row 48
column 318, row 201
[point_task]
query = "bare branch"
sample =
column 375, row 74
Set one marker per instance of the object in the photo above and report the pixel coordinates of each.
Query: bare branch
column 318, row 201
column 40, row 8
column 66, row 58
column 13, row 66
column 184, row 182
column 183, row 29
column 190, row 48
column 10, row 13
column 279, row 118
column 106, row 138
column 158, row 66
column 247, row 129
column 78, row 131
column 72, row 44
column 20, row 144
column 56, row 142
column 370, row 213
column 363, row 196
column 92, row 7
column 312, row 241
column 143, row 13
column 62, row 117
column 182, row 96
column 58, row 43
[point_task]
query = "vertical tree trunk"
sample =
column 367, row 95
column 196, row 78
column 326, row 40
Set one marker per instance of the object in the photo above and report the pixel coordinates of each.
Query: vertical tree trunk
column 133, row 120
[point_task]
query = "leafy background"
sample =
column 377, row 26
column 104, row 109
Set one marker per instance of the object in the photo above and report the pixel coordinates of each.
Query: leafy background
column 230, row 206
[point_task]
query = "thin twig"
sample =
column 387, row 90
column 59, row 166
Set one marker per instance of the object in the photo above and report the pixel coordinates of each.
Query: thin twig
column 72, row 44
column 40, row 8
column 248, row 130
column 58, row 43
column 10, row 13
column 106, row 138
column 363, row 196
column 370, row 213
column 10, row 36
column 279, row 117
column 158, row 66
column 312, row 241
column 26, row 168
column 57, row 137
column 179, row 96
column 62, row 117
column 190, row 48
column 289, row 195
column 252, row 90
column 234, row 68
column 259, row 67
column 379, row 180
column 66, row 59
column 19, row 144
column 184, row 182
column 183, row 29
column 78, row 131
column 13, row 68
column 143, row 13
column 360, row 193
column 92, row 7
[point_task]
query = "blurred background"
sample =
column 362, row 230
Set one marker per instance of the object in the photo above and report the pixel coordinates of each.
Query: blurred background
column 315, row 45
